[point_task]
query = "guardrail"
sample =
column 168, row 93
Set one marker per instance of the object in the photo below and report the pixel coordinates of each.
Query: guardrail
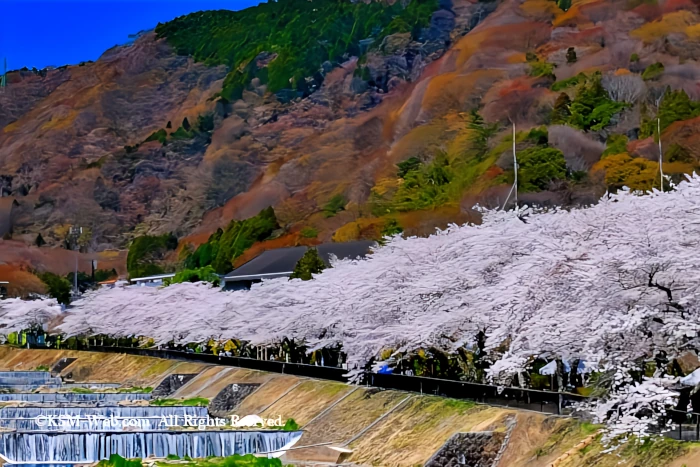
column 530, row 399
column 686, row 425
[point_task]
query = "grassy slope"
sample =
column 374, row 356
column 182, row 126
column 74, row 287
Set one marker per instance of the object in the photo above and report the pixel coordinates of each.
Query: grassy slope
column 407, row 436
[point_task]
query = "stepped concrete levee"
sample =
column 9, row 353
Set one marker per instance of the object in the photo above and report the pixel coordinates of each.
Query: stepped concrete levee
column 360, row 425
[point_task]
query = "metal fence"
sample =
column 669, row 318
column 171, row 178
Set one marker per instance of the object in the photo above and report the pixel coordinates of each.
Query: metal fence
column 542, row 401
column 686, row 425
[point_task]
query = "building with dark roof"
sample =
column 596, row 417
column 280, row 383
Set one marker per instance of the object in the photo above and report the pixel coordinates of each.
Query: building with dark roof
column 271, row 264
column 7, row 213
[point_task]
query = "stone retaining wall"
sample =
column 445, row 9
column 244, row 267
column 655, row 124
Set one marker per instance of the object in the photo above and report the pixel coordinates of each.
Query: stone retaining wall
column 230, row 397
column 171, row 384
column 473, row 449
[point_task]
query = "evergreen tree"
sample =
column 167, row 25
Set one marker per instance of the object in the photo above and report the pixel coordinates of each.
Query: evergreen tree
column 309, row 264
column 571, row 55
column 561, row 111
column 592, row 109
column 186, row 124
column 58, row 287
column 676, row 106
column 481, row 132
column 39, row 241
column 538, row 166
column 169, row 125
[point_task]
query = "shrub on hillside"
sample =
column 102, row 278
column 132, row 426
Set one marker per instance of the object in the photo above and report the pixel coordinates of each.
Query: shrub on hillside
column 410, row 164
column 653, row 71
column 539, row 166
column 225, row 245
column 145, row 252
column 57, row 286
column 592, row 108
column 615, row 144
column 334, row 205
column 674, row 106
column 561, row 112
column 160, row 135
column 542, row 69
column 568, row 82
column 309, row 232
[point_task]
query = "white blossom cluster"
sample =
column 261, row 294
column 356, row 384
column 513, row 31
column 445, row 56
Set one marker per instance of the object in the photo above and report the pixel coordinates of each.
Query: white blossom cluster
column 632, row 408
column 609, row 284
column 16, row 314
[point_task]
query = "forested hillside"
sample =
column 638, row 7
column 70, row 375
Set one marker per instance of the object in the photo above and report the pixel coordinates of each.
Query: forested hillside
column 349, row 120
column 296, row 37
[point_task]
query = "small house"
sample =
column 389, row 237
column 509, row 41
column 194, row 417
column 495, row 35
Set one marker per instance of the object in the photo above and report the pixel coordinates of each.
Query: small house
column 280, row 262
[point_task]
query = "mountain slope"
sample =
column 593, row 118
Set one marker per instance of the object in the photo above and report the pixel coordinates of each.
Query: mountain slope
column 406, row 132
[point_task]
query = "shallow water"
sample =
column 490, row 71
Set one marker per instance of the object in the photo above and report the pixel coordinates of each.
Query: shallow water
column 92, row 447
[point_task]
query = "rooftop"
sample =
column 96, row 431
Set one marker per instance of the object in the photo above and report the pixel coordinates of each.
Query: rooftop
column 152, row 278
column 281, row 262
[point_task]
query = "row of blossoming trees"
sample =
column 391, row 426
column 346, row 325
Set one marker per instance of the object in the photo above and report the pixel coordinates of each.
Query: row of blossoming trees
column 608, row 289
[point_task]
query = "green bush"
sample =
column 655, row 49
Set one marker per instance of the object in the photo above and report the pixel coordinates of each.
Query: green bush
column 115, row 460
column 564, row 4
column 302, row 34
column 425, row 186
column 146, row 251
column 675, row 106
column 634, row 58
column 58, row 287
column 290, row 425
column 205, row 123
column 570, row 52
column 678, row 153
column 193, row 402
column 160, row 135
column 309, row 232
column 334, row 205
column 568, row 82
column 226, row 245
column 102, row 275
column 181, row 133
column 481, row 132
column 592, row 108
column 538, row 135
column 412, row 163
column 561, row 112
column 249, row 460
column 308, row 265
column 615, row 144
column 538, row 166
column 12, row 338
column 206, row 274
column 391, row 227
column 653, row 71
column 542, row 69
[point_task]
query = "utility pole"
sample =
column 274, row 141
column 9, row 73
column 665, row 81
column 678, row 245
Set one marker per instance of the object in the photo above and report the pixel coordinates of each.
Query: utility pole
column 658, row 131
column 73, row 237
column 515, row 171
column 661, row 157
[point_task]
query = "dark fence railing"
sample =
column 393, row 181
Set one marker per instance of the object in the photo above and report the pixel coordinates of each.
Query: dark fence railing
column 686, row 425
column 531, row 399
